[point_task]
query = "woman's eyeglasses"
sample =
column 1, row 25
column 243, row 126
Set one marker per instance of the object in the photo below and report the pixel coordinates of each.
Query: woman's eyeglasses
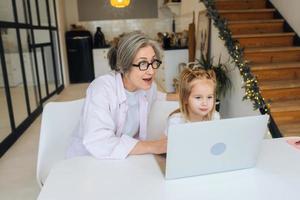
column 144, row 65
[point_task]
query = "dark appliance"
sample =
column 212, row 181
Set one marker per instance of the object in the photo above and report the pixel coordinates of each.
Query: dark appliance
column 80, row 56
column 99, row 39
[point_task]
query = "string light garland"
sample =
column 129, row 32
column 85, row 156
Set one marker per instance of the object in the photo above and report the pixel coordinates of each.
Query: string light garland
column 252, row 91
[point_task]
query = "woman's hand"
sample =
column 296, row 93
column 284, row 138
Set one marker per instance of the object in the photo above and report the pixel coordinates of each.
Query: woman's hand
column 158, row 146
column 153, row 147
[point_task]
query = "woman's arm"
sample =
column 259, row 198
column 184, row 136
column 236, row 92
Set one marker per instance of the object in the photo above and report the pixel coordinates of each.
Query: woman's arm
column 154, row 147
column 99, row 125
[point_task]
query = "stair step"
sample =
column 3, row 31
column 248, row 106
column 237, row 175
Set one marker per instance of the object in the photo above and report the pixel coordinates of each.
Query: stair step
column 263, row 35
column 290, row 129
column 286, row 111
column 286, row 117
column 280, row 90
column 256, row 26
column 275, row 66
column 265, row 39
column 241, row 4
column 282, row 84
column 248, row 14
column 271, row 49
column 272, row 54
column 285, row 106
column 277, row 71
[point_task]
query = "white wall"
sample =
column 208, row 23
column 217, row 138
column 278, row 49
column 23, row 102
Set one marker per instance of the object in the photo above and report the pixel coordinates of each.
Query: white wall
column 232, row 104
column 62, row 25
column 70, row 12
column 187, row 9
column 290, row 11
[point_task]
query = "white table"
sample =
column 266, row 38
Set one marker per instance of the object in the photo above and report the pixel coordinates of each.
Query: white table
column 276, row 176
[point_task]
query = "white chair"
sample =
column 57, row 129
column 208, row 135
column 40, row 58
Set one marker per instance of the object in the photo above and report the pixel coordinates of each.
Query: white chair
column 158, row 116
column 58, row 122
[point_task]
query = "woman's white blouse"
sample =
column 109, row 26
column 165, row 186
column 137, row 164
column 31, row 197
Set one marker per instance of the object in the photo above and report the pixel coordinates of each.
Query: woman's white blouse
column 100, row 129
column 132, row 119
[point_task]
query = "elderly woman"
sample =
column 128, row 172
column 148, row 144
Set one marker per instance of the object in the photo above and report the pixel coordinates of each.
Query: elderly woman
column 113, row 124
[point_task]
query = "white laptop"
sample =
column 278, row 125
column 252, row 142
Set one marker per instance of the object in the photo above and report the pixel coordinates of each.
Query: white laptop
column 214, row 146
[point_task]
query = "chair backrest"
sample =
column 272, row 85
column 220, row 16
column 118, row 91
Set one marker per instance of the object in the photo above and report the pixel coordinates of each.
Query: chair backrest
column 58, row 122
column 158, row 117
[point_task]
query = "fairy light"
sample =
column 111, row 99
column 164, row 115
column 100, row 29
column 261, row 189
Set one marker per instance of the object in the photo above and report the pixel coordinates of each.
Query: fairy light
column 252, row 90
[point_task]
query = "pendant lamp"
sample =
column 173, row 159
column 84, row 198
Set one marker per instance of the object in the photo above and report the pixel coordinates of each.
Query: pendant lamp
column 119, row 3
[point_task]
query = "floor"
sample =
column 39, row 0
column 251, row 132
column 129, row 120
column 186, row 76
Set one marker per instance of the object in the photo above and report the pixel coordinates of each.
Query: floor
column 19, row 105
column 18, row 165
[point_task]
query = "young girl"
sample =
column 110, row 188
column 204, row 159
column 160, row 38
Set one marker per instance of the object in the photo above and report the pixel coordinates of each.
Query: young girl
column 197, row 97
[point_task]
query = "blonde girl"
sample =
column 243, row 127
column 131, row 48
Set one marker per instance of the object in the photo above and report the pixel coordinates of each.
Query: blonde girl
column 197, row 96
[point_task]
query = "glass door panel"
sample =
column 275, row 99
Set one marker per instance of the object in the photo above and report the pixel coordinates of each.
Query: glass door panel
column 52, row 12
column 33, row 11
column 41, row 72
column 5, row 128
column 6, row 11
column 14, row 74
column 56, row 57
column 43, row 13
column 21, row 11
column 41, row 36
column 30, row 71
column 50, row 68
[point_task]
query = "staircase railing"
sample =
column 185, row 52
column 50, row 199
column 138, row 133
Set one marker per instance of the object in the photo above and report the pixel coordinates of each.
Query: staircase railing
column 251, row 86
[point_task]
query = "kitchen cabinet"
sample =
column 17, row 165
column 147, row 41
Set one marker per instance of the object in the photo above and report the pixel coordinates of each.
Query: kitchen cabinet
column 101, row 65
column 169, row 69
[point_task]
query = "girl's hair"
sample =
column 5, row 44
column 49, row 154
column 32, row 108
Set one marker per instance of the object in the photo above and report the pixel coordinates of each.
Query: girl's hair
column 122, row 54
column 185, row 87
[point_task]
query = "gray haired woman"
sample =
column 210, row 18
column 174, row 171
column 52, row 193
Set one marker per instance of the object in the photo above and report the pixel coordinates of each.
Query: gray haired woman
column 113, row 124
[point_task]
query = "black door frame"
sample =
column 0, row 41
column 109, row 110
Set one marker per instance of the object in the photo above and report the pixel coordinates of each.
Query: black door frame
column 17, row 131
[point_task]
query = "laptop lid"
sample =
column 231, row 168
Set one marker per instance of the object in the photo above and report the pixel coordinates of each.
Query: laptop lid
column 214, row 146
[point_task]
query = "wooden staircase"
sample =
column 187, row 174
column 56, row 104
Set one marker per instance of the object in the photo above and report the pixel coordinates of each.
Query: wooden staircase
column 274, row 57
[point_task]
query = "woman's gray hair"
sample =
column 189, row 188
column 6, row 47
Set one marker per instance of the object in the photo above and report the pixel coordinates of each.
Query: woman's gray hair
column 123, row 53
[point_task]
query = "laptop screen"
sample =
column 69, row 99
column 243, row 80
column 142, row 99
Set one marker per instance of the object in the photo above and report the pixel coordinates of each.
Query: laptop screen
column 214, row 146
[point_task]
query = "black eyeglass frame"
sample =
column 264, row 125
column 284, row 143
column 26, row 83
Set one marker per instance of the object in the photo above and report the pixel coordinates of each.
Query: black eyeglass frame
column 148, row 64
